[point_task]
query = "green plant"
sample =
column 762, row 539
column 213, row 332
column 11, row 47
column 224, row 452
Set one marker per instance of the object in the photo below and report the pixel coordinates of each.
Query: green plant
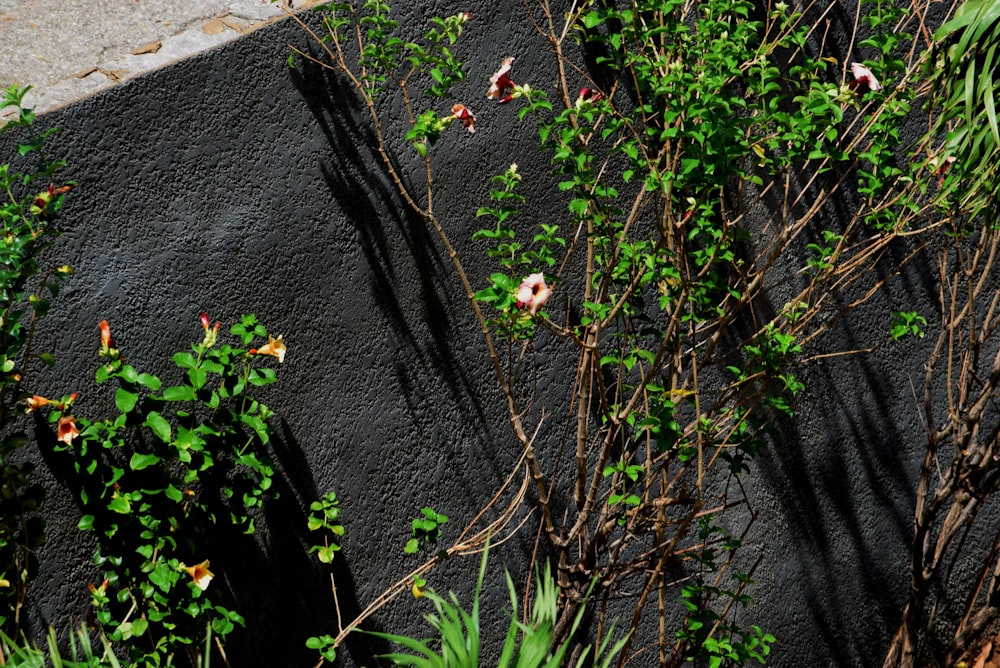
column 29, row 204
column 162, row 480
column 82, row 653
column 527, row 644
column 701, row 158
column 908, row 323
column 964, row 70
column 712, row 637
column 426, row 530
column 324, row 516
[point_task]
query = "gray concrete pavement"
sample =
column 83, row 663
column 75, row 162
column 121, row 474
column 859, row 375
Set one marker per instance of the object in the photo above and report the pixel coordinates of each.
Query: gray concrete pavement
column 67, row 49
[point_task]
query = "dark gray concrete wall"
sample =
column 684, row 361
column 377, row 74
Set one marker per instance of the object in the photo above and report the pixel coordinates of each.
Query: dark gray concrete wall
column 230, row 184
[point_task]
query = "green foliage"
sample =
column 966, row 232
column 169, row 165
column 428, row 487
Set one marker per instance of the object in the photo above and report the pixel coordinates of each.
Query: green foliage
column 626, row 474
column 512, row 322
column 908, row 323
column 29, row 204
column 325, row 645
column 526, row 645
column 715, row 147
column 82, row 652
column 324, row 517
column 965, row 74
column 823, row 256
column 385, row 59
column 163, row 477
column 425, row 530
column 715, row 640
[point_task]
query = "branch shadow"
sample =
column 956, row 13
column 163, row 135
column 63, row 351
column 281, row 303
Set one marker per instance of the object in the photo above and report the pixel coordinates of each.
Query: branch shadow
column 363, row 191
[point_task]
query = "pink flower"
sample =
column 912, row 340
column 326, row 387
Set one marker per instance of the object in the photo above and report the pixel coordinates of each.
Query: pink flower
column 66, row 430
column 462, row 113
column 588, row 95
column 864, row 77
column 500, row 82
column 533, row 293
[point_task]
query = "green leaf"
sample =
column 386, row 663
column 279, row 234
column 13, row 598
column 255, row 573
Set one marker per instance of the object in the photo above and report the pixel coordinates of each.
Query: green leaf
column 86, row 523
column 262, row 376
column 48, row 358
column 124, row 630
column 319, row 642
column 198, row 377
column 148, row 381
column 139, row 626
column 163, row 576
column 179, row 393
column 159, row 425
column 120, row 504
column 991, row 114
column 184, row 360
column 211, row 366
column 222, row 626
column 140, row 461
column 125, row 400
column 592, row 20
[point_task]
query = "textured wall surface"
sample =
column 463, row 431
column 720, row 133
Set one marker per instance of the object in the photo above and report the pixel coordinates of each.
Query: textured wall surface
column 230, row 184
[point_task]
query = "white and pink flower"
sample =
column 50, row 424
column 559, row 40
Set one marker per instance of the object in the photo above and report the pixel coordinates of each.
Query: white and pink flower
column 500, row 82
column 864, row 77
column 463, row 113
column 533, row 293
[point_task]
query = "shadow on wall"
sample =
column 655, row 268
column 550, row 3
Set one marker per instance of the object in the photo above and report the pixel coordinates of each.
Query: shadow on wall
column 841, row 475
column 839, row 478
column 187, row 204
column 363, row 190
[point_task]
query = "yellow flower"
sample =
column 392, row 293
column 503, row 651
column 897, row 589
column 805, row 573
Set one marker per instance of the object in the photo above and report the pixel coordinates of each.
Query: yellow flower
column 275, row 347
column 200, row 574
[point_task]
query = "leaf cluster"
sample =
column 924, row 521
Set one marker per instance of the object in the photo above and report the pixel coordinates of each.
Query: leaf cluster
column 164, row 481
column 29, row 204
